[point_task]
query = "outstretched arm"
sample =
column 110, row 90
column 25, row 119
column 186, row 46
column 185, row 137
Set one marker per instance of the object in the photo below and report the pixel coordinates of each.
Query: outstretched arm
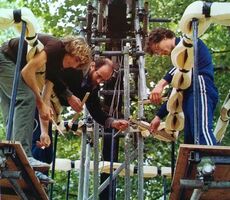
column 29, row 76
column 46, row 94
column 156, row 94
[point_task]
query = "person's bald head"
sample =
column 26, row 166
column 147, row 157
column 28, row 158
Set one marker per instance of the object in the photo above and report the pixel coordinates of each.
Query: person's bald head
column 101, row 70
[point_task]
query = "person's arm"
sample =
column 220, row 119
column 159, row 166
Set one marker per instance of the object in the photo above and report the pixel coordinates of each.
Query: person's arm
column 161, row 113
column 44, row 137
column 75, row 103
column 156, row 94
column 94, row 107
column 46, row 94
column 61, row 88
column 155, row 123
column 29, row 76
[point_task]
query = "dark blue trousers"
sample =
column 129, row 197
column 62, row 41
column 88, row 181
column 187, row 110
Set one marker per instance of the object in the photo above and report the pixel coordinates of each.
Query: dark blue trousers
column 207, row 103
column 44, row 155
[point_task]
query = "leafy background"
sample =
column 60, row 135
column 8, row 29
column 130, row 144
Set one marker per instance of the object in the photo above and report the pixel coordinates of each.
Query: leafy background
column 59, row 18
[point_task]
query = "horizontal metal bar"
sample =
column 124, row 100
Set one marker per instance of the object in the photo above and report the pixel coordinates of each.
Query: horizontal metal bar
column 94, row 40
column 159, row 20
column 111, row 92
column 221, row 160
column 199, row 184
column 11, row 174
column 119, row 53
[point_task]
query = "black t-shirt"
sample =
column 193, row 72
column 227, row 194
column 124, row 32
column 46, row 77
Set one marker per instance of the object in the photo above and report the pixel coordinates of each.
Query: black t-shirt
column 79, row 85
column 53, row 47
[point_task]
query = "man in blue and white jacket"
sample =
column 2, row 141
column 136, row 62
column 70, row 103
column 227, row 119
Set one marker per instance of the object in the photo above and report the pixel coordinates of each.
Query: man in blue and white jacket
column 162, row 41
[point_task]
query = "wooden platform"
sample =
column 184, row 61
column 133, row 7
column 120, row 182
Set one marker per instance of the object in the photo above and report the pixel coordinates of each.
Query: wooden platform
column 28, row 184
column 188, row 170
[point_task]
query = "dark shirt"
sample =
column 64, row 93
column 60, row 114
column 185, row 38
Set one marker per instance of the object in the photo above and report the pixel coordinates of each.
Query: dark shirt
column 66, row 81
column 53, row 47
column 78, row 84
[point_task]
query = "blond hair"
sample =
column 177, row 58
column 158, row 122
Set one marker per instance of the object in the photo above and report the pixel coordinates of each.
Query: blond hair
column 77, row 46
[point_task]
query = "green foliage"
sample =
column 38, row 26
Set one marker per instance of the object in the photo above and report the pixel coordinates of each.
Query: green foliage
column 2, row 129
column 59, row 17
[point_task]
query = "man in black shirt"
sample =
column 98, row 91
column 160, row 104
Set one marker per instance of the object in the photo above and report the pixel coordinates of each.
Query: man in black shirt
column 71, row 89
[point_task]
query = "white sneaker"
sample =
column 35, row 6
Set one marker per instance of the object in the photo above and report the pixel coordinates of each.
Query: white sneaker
column 36, row 163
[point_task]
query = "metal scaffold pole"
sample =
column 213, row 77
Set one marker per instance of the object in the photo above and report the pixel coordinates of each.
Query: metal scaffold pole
column 82, row 163
column 141, row 61
column 115, row 174
column 142, row 94
column 15, row 83
column 195, row 82
column 87, row 170
column 126, row 116
column 96, row 161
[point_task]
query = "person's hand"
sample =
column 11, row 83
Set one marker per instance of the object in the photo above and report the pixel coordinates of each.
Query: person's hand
column 155, row 95
column 75, row 103
column 45, row 111
column 120, row 124
column 44, row 141
column 155, row 123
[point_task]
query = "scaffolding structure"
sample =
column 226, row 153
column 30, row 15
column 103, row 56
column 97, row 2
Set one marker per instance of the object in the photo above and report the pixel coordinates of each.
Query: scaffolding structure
column 117, row 42
column 120, row 27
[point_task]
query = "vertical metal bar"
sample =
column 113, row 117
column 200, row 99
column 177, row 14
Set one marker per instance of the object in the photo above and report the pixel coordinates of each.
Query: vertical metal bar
column 68, row 182
column 126, row 116
column 15, row 83
column 111, row 168
column 115, row 174
column 141, row 61
column 140, row 167
column 172, row 158
column 195, row 83
column 82, row 162
column 96, row 161
column 140, row 4
column 164, row 187
column 53, row 163
column 142, row 94
column 89, row 22
column 87, row 171
column 95, row 18
column 140, row 143
column 101, row 8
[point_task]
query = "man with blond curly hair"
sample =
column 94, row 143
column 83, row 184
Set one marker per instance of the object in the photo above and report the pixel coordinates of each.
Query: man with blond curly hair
column 57, row 55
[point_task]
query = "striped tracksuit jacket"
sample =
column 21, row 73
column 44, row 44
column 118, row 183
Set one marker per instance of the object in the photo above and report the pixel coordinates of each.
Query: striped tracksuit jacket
column 208, row 98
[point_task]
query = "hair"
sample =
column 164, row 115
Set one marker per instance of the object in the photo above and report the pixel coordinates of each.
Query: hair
column 157, row 35
column 77, row 46
column 103, row 61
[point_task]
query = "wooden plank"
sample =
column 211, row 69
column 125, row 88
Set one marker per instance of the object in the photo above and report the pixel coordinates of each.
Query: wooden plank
column 9, row 197
column 29, row 183
column 222, row 172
